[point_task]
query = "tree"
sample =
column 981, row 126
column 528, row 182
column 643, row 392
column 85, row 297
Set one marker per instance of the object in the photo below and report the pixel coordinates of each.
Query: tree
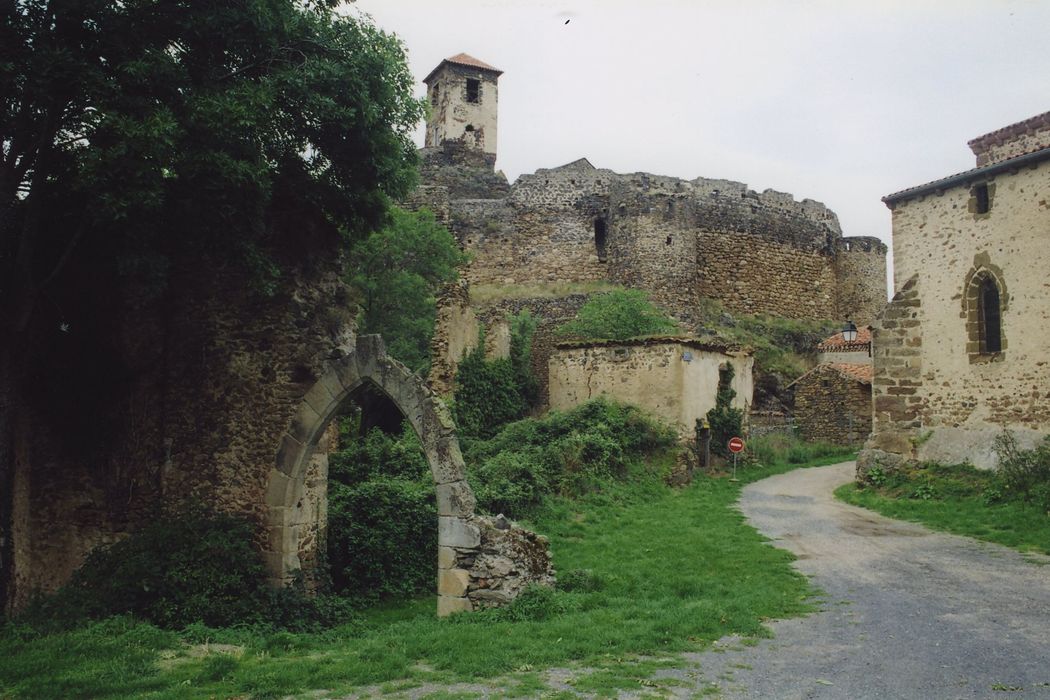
column 397, row 272
column 143, row 132
column 618, row 315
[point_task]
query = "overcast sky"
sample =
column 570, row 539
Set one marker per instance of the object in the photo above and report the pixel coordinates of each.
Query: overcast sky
column 839, row 101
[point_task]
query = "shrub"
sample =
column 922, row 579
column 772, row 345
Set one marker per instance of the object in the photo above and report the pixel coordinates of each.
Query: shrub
column 725, row 421
column 618, row 315
column 567, row 453
column 1025, row 472
column 382, row 538
column 192, row 567
column 382, row 521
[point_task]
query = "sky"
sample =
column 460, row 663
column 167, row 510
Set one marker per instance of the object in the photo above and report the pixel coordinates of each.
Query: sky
column 839, row 101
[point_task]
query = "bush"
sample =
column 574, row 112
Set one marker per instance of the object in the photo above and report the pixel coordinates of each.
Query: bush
column 192, row 567
column 567, row 453
column 725, row 421
column 382, row 520
column 1025, row 472
column 618, row 315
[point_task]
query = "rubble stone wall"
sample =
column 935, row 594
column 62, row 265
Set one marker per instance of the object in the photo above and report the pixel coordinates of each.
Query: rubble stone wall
column 831, row 407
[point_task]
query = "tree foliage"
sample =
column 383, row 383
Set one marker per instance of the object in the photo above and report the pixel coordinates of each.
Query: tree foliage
column 726, row 422
column 618, row 315
column 397, row 272
column 161, row 126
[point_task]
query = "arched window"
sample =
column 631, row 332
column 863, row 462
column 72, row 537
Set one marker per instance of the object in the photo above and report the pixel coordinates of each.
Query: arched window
column 988, row 316
column 985, row 300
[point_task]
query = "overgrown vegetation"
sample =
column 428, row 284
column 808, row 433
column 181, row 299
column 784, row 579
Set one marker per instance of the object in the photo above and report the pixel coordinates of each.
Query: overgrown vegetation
column 1010, row 505
column 189, row 567
column 567, row 453
column 491, row 393
column 397, row 272
column 618, row 315
column 619, row 598
column 382, row 519
column 725, row 421
column 486, row 293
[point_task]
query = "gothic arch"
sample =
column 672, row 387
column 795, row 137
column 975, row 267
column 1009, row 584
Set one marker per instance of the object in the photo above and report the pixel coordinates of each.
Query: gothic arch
column 984, row 300
column 429, row 417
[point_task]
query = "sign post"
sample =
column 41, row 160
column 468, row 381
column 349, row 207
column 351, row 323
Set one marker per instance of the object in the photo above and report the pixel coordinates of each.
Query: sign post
column 736, row 446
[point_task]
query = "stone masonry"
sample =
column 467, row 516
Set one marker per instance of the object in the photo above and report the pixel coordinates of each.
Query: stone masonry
column 960, row 352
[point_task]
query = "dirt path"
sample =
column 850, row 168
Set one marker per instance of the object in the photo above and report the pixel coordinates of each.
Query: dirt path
column 908, row 613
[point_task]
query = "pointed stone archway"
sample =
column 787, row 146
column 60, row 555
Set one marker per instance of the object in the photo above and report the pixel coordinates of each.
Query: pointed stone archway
column 458, row 534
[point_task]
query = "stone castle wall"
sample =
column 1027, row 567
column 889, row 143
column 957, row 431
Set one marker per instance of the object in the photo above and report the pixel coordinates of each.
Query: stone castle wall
column 678, row 240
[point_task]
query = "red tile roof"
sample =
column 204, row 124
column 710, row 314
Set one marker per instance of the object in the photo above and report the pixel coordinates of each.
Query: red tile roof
column 861, row 373
column 858, row 373
column 462, row 59
column 836, row 342
column 1039, row 154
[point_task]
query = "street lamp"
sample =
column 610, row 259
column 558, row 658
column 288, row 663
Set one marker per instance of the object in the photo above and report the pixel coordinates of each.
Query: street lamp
column 849, row 331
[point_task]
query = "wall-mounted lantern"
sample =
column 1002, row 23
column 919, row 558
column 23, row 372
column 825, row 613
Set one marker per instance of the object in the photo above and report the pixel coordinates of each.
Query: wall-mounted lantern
column 849, row 331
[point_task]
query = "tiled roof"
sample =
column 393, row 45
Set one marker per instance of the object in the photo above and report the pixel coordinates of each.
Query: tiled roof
column 837, row 342
column 862, row 373
column 1011, row 131
column 857, row 372
column 462, row 59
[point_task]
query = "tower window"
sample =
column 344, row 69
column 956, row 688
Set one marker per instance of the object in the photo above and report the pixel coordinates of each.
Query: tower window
column 434, row 96
column 473, row 90
column 981, row 201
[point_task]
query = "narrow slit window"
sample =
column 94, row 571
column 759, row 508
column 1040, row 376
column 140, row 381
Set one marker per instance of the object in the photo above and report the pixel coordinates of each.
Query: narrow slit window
column 599, row 238
column 980, row 193
column 473, row 90
column 989, row 317
column 434, row 96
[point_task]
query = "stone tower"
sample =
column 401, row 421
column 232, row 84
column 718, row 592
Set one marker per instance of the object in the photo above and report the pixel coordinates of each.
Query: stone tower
column 462, row 93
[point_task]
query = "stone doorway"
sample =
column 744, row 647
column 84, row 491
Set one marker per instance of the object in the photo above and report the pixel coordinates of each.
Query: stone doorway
column 369, row 368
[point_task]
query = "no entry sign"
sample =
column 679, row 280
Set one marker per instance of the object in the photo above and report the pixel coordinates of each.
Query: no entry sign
column 736, row 445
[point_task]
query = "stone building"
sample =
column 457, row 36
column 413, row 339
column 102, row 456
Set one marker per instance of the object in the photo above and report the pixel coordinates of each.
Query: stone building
column 833, row 400
column 577, row 226
column 961, row 350
column 675, row 379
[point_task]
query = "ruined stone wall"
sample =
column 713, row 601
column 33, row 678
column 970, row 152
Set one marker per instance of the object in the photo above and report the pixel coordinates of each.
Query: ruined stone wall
column 832, row 407
column 454, row 116
column 653, row 374
column 195, row 386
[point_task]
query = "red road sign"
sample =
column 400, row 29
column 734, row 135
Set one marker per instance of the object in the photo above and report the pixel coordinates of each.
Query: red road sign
column 736, row 445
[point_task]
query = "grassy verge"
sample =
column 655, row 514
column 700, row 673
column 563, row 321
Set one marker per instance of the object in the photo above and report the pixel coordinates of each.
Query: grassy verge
column 656, row 571
column 958, row 499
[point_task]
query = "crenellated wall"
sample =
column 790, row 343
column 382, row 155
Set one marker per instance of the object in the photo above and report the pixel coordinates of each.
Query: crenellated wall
column 681, row 241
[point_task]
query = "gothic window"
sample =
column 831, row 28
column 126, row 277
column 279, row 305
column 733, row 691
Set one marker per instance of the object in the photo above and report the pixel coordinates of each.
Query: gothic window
column 985, row 302
column 988, row 317
column 473, row 90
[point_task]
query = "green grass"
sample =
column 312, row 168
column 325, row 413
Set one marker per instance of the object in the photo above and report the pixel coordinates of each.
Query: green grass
column 958, row 499
column 671, row 570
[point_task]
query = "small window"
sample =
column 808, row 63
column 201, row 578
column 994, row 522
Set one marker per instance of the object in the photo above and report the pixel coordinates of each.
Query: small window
column 981, row 202
column 434, row 96
column 473, row 90
column 989, row 317
column 470, row 127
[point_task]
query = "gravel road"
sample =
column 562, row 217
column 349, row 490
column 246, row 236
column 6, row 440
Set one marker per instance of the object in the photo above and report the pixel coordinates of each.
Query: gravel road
column 907, row 613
